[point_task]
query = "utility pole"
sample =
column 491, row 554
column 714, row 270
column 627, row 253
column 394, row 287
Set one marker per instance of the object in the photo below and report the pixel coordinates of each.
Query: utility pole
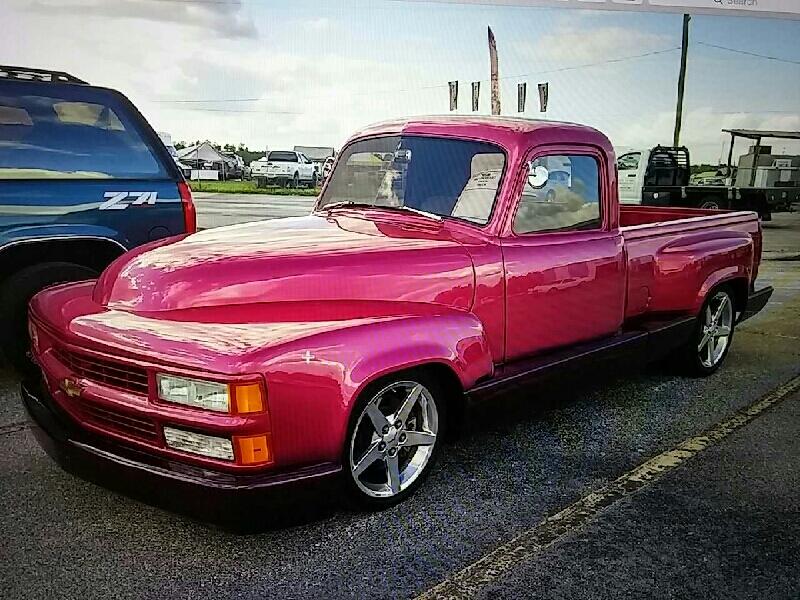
column 681, row 80
column 495, row 80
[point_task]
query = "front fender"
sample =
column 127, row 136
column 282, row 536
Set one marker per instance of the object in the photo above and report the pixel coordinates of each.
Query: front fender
column 313, row 386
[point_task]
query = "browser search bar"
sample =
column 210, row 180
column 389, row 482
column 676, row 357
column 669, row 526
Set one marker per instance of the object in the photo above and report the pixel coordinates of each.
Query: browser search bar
column 784, row 6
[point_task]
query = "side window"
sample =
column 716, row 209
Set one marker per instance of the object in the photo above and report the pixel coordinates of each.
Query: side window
column 629, row 162
column 562, row 193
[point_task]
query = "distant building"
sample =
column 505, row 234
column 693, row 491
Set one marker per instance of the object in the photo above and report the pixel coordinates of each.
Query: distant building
column 316, row 154
column 772, row 170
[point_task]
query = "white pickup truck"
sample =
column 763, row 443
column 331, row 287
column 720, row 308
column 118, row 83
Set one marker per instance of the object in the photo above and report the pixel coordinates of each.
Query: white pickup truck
column 286, row 168
column 660, row 177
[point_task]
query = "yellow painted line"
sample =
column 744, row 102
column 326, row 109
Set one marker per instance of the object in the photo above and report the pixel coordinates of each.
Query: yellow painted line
column 467, row 582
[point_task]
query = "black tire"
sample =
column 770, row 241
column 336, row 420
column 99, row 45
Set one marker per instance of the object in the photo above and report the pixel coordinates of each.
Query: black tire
column 295, row 181
column 15, row 294
column 313, row 180
column 693, row 359
column 434, row 393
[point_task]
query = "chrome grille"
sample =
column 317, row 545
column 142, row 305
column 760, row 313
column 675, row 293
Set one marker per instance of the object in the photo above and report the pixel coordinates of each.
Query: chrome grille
column 117, row 375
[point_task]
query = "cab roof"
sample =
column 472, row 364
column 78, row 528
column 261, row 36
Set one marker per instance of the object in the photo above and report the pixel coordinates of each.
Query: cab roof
column 509, row 132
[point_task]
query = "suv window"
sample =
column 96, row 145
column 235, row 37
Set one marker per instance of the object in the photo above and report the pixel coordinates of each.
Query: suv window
column 561, row 193
column 282, row 156
column 47, row 136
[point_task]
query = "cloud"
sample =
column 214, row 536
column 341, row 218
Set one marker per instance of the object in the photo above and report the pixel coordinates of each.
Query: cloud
column 318, row 24
column 223, row 18
column 571, row 44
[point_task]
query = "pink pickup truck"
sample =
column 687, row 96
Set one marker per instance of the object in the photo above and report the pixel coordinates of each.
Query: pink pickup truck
column 446, row 259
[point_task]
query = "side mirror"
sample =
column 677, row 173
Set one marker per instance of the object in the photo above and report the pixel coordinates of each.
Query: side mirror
column 537, row 176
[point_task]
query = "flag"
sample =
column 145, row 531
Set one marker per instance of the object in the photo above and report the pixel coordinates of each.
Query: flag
column 544, row 90
column 522, row 93
column 453, row 95
column 494, row 72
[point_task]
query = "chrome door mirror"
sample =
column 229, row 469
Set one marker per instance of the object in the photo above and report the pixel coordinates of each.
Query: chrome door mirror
column 537, row 175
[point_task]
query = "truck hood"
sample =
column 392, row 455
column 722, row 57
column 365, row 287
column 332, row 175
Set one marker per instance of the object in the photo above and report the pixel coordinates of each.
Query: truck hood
column 347, row 257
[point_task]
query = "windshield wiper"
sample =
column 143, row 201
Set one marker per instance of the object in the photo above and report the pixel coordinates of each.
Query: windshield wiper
column 410, row 209
column 345, row 203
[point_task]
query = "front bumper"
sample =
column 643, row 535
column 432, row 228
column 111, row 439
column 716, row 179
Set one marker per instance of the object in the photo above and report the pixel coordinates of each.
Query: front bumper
column 234, row 500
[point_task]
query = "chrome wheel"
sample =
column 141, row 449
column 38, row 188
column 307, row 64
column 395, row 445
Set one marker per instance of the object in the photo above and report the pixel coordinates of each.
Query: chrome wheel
column 393, row 439
column 716, row 330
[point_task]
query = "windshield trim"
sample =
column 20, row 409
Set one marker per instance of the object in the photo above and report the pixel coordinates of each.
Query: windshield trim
column 465, row 138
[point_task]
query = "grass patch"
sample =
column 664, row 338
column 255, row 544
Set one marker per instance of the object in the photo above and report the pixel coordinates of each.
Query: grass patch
column 248, row 187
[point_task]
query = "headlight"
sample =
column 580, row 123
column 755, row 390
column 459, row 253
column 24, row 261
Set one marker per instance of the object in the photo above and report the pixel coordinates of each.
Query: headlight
column 198, row 443
column 193, row 392
column 246, row 397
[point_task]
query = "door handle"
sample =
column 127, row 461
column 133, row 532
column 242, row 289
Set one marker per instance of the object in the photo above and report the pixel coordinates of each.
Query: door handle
column 632, row 175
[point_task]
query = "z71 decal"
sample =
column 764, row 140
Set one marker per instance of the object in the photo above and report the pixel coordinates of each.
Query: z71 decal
column 120, row 200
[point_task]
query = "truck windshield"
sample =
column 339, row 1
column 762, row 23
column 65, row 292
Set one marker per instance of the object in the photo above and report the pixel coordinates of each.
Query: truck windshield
column 442, row 176
column 84, row 134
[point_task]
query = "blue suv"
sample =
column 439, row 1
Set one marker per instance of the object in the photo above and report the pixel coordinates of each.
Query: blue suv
column 83, row 178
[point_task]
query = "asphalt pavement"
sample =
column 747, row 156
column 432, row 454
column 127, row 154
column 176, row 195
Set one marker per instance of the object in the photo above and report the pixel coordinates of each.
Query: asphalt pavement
column 216, row 210
column 724, row 523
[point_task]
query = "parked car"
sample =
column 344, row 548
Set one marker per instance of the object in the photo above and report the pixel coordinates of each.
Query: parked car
column 346, row 343
column 166, row 138
column 83, row 178
column 285, row 168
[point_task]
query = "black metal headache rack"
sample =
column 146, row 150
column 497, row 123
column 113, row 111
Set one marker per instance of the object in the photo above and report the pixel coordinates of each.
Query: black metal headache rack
column 41, row 75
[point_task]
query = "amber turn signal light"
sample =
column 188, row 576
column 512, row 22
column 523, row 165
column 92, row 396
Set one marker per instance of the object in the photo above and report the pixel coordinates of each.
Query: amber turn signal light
column 248, row 397
column 254, row 449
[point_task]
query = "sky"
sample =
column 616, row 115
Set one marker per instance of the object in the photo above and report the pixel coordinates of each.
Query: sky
column 278, row 73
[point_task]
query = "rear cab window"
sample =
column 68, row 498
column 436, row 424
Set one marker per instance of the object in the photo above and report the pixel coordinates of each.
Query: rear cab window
column 72, row 132
column 282, row 156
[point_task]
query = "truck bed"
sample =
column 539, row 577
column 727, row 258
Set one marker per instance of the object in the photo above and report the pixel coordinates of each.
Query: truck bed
column 633, row 214
column 663, row 245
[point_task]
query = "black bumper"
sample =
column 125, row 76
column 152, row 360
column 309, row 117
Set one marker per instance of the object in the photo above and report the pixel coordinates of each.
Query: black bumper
column 239, row 501
column 755, row 302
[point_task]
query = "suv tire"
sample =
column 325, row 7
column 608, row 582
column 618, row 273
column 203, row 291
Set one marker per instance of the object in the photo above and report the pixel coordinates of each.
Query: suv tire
column 15, row 294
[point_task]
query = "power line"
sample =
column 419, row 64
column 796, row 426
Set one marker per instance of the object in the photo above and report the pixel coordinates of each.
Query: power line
column 748, row 53
column 437, row 86
column 235, row 110
column 594, row 64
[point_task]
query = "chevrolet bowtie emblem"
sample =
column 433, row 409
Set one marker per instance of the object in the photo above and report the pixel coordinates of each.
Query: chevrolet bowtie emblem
column 70, row 387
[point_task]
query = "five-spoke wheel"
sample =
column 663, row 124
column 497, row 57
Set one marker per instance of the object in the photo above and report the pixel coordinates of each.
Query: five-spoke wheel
column 709, row 346
column 716, row 329
column 393, row 439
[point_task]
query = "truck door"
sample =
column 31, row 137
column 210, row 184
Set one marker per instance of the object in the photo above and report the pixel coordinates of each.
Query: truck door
column 631, row 175
column 563, row 254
